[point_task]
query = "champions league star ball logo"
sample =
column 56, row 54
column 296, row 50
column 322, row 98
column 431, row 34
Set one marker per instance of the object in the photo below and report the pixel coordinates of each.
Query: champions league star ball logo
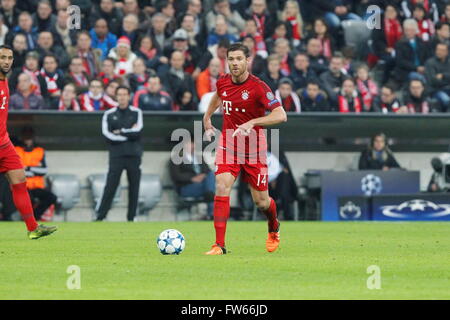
column 350, row 211
column 371, row 184
column 245, row 95
column 426, row 209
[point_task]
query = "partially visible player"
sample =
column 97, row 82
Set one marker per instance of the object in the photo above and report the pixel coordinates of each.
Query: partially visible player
column 244, row 99
column 10, row 163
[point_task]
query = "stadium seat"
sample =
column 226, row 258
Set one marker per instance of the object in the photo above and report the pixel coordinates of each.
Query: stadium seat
column 188, row 203
column 97, row 184
column 356, row 33
column 67, row 188
column 150, row 191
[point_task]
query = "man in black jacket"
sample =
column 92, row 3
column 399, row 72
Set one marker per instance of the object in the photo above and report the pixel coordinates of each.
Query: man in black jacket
column 122, row 128
column 437, row 72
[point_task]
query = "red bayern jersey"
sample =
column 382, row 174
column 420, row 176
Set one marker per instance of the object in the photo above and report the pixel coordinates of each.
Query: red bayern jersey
column 241, row 103
column 4, row 103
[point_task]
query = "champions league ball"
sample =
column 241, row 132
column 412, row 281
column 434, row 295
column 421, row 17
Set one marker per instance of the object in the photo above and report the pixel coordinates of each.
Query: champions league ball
column 170, row 241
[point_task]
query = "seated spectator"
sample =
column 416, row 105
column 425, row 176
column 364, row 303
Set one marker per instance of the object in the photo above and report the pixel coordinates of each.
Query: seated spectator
column 282, row 49
column 252, row 31
column 442, row 35
column 31, row 68
column 282, row 31
column 101, row 37
column 302, row 73
column 256, row 61
column 312, row 99
column 327, row 41
column 92, row 58
column 20, row 49
column 139, row 76
column 348, row 99
column 273, row 74
column 25, row 27
column 446, row 14
column 68, row 100
column 51, row 80
column 192, row 176
column 184, row 101
column 426, row 26
column 437, row 72
column 235, row 23
column 109, row 97
column 317, row 61
column 430, row 9
column 96, row 99
column 151, row 55
column 206, row 81
column 46, row 45
column 10, row 13
column 159, row 32
column 152, row 97
column 291, row 14
column 411, row 54
column 217, row 51
column 130, row 29
column 287, row 96
column 64, row 36
column 4, row 29
column 264, row 20
column 166, row 8
column 377, row 156
column 34, row 162
column 339, row 10
column 220, row 32
column 25, row 98
column 124, row 57
column 195, row 38
column 333, row 79
column 384, row 40
column 416, row 99
column 43, row 18
column 366, row 86
column 108, row 11
column 387, row 101
column 77, row 75
column 131, row 7
column 107, row 73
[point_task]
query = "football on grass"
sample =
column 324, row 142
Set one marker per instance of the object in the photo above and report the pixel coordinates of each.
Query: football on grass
column 170, row 241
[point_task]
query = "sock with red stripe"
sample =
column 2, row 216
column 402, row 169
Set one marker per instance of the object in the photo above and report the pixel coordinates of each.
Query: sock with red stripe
column 271, row 215
column 221, row 215
column 22, row 201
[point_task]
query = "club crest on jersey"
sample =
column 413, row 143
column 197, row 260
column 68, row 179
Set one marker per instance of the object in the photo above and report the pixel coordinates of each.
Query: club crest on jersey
column 245, row 95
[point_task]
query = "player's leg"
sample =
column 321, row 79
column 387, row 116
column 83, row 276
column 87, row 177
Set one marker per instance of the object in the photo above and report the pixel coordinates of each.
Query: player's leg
column 224, row 183
column 112, row 182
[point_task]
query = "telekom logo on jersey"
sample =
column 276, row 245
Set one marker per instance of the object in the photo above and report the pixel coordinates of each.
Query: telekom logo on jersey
column 227, row 107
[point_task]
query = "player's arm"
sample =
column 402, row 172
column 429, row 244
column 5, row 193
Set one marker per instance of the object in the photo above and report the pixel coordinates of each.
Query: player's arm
column 213, row 105
column 276, row 116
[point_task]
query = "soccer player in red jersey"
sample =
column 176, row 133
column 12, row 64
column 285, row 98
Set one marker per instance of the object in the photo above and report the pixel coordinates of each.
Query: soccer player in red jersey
column 242, row 145
column 10, row 163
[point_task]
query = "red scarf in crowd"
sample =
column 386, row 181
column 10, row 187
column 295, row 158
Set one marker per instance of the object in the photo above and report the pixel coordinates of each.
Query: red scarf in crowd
column 74, row 106
column 368, row 91
column 326, row 47
column 260, row 22
column 426, row 29
column 52, row 86
column 35, row 86
column 88, row 62
column 424, row 107
column 149, row 54
column 344, row 106
column 393, row 32
column 81, row 81
column 294, row 25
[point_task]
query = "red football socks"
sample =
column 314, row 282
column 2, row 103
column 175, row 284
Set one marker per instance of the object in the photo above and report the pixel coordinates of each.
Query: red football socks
column 221, row 215
column 22, row 202
column 271, row 214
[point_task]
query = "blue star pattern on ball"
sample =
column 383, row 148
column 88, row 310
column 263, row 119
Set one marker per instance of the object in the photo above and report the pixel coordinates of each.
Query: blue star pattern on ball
column 170, row 241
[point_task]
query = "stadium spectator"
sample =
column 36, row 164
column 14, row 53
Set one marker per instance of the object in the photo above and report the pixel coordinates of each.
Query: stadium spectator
column 31, row 68
column 192, row 177
column 92, row 58
column 158, row 32
column 287, row 96
column 321, row 33
column 107, row 11
column 442, row 35
column 153, row 97
column 416, row 99
column 124, row 57
column 110, row 93
column 194, row 8
column 51, row 80
column 206, row 81
column 152, row 56
column 273, row 73
column 3, row 31
column 366, row 86
column 68, row 100
column 257, row 61
column 64, row 36
column 426, row 26
column 176, row 80
column 252, row 31
column 411, row 54
column 96, row 99
column 377, row 156
column 77, row 75
column 10, row 13
column 139, row 76
column 130, row 29
column 265, row 22
column 20, row 48
column 25, row 97
column 25, row 26
column 281, row 31
column 312, row 99
column 429, row 7
column 101, row 37
column 46, row 45
column 131, row 7
column 349, row 99
column 166, row 8
column 235, row 23
column 291, row 14
column 33, row 159
column 446, row 14
column 384, row 40
column 217, row 51
column 220, row 32
column 317, row 61
column 336, row 11
column 333, row 79
column 438, row 76
column 107, row 73
column 43, row 18
column 387, row 101
column 302, row 73
column 184, row 101
column 282, row 49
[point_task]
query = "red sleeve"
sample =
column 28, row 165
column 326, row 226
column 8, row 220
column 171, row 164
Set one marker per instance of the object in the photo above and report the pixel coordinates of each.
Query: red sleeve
column 267, row 98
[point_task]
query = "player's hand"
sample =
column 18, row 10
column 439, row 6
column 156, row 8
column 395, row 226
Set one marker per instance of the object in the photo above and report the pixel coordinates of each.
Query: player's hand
column 210, row 131
column 244, row 129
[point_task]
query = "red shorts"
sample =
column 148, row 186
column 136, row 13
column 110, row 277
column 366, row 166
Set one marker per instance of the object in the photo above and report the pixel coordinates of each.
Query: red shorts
column 254, row 172
column 9, row 159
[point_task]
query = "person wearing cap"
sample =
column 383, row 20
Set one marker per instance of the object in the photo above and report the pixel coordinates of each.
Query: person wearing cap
column 287, row 96
column 180, row 43
column 124, row 57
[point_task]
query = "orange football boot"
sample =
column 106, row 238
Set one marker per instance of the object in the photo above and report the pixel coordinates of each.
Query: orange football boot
column 216, row 250
column 273, row 240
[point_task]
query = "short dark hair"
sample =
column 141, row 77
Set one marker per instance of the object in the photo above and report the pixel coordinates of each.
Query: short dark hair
column 314, row 83
column 124, row 88
column 5, row 46
column 239, row 47
column 389, row 86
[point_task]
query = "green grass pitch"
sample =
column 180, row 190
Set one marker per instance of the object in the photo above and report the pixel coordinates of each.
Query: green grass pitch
column 316, row 260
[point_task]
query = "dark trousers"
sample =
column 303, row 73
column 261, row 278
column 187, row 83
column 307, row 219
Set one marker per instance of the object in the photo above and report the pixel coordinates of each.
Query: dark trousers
column 42, row 199
column 116, row 166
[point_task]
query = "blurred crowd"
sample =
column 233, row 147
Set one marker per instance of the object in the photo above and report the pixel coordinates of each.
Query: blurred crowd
column 171, row 53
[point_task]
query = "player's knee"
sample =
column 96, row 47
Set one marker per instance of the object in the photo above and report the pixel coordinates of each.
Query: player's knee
column 262, row 204
column 222, row 189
